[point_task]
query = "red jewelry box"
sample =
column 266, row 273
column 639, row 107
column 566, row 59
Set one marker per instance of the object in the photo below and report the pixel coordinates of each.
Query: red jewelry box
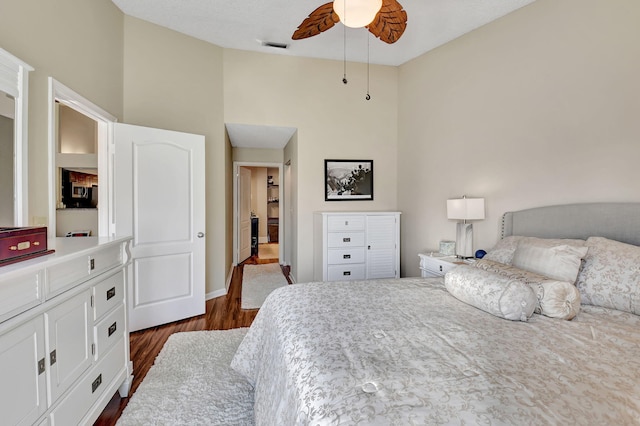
column 18, row 244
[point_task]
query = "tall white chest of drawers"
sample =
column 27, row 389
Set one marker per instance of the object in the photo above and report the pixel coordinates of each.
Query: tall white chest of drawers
column 356, row 245
column 64, row 344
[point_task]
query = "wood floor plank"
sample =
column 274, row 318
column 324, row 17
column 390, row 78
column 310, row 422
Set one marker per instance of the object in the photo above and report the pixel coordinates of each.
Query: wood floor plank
column 222, row 313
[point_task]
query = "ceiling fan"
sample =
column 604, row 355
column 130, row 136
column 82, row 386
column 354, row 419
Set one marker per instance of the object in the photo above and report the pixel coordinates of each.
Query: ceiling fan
column 388, row 25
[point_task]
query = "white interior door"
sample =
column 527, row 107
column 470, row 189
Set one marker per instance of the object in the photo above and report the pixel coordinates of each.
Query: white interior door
column 244, row 244
column 159, row 199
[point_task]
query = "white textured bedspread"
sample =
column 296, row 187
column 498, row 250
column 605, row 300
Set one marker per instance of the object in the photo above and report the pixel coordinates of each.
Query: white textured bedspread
column 403, row 352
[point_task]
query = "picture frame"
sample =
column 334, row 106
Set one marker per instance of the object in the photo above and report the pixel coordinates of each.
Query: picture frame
column 348, row 180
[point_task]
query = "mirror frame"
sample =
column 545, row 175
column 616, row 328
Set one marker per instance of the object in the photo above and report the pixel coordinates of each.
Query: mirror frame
column 14, row 80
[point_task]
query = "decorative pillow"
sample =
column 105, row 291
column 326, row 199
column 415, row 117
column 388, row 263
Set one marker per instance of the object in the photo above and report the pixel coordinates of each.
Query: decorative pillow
column 559, row 299
column 556, row 299
column 610, row 276
column 560, row 261
column 503, row 250
column 500, row 296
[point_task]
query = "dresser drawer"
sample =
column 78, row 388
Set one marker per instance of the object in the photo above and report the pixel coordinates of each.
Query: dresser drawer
column 107, row 294
column 65, row 275
column 345, row 272
column 20, row 293
column 345, row 223
column 436, row 266
column 77, row 403
column 108, row 331
column 345, row 239
column 345, row 255
column 105, row 259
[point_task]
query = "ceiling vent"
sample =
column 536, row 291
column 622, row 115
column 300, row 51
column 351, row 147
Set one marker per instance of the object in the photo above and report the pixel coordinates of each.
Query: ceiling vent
column 274, row 44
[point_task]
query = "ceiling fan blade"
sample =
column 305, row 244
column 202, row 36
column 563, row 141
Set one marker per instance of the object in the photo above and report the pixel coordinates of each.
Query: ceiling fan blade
column 390, row 22
column 319, row 20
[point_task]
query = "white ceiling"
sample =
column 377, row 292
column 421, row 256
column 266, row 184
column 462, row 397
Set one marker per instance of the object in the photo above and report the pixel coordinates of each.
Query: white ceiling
column 246, row 24
column 251, row 136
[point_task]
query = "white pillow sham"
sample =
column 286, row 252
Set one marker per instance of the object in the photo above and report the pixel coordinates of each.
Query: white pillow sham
column 498, row 295
column 610, row 276
column 560, row 261
column 503, row 250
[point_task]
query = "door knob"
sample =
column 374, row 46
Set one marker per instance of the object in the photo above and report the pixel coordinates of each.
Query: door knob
column 200, row 234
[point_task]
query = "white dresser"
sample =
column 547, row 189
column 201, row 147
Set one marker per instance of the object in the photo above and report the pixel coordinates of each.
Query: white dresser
column 356, row 245
column 64, row 344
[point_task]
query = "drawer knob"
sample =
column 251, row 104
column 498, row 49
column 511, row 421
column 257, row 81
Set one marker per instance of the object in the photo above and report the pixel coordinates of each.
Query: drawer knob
column 440, row 268
column 346, row 256
column 111, row 292
column 346, row 273
column 112, row 328
column 97, row 382
column 346, row 240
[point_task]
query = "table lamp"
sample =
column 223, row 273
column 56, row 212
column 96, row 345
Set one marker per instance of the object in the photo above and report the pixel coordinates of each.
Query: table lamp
column 465, row 209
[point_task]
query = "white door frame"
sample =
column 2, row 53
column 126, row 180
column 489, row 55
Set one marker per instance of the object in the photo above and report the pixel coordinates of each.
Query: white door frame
column 236, row 207
column 245, row 210
column 68, row 97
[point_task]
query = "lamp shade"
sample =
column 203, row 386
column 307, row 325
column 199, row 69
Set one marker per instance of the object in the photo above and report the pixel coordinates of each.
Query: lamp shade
column 357, row 13
column 465, row 208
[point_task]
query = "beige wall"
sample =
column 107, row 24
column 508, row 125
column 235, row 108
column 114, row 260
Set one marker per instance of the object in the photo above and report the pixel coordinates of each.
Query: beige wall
column 538, row 108
column 77, row 42
column 228, row 166
column 333, row 121
column 256, row 155
column 77, row 133
column 172, row 81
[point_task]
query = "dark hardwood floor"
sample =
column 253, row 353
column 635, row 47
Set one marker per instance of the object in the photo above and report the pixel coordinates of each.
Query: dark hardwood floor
column 222, row 313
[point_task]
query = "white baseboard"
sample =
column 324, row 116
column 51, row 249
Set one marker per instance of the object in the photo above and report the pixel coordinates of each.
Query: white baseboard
column 217, row 293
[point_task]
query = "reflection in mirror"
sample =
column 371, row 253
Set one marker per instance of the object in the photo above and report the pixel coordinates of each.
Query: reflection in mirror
column 7, row 115
column 14, row 93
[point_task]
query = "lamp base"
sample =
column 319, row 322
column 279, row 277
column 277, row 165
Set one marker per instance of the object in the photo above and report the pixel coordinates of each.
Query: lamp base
column 464, row 239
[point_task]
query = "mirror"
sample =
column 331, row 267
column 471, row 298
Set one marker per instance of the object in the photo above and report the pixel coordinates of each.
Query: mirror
column 7, row 115
column 14, row 82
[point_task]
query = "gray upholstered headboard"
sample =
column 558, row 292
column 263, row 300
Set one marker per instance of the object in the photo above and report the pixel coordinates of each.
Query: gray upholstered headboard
column 616, row 221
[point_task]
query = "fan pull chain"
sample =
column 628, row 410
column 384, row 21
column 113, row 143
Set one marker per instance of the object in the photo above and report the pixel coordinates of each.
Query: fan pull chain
column 344, row 52
column 368, row 97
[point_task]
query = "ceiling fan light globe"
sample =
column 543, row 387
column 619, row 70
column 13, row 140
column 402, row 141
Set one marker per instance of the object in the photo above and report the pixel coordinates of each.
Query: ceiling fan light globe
column 356, row 13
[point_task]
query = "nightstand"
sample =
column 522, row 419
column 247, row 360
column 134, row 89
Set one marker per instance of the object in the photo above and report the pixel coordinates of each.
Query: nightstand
column 434, row 264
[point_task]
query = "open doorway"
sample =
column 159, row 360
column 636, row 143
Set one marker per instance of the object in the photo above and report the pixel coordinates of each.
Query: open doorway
column 76, row 174
column 258, row 220
column 79, row 173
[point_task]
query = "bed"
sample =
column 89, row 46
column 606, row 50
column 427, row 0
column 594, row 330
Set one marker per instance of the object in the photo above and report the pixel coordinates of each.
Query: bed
column 423, row 351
